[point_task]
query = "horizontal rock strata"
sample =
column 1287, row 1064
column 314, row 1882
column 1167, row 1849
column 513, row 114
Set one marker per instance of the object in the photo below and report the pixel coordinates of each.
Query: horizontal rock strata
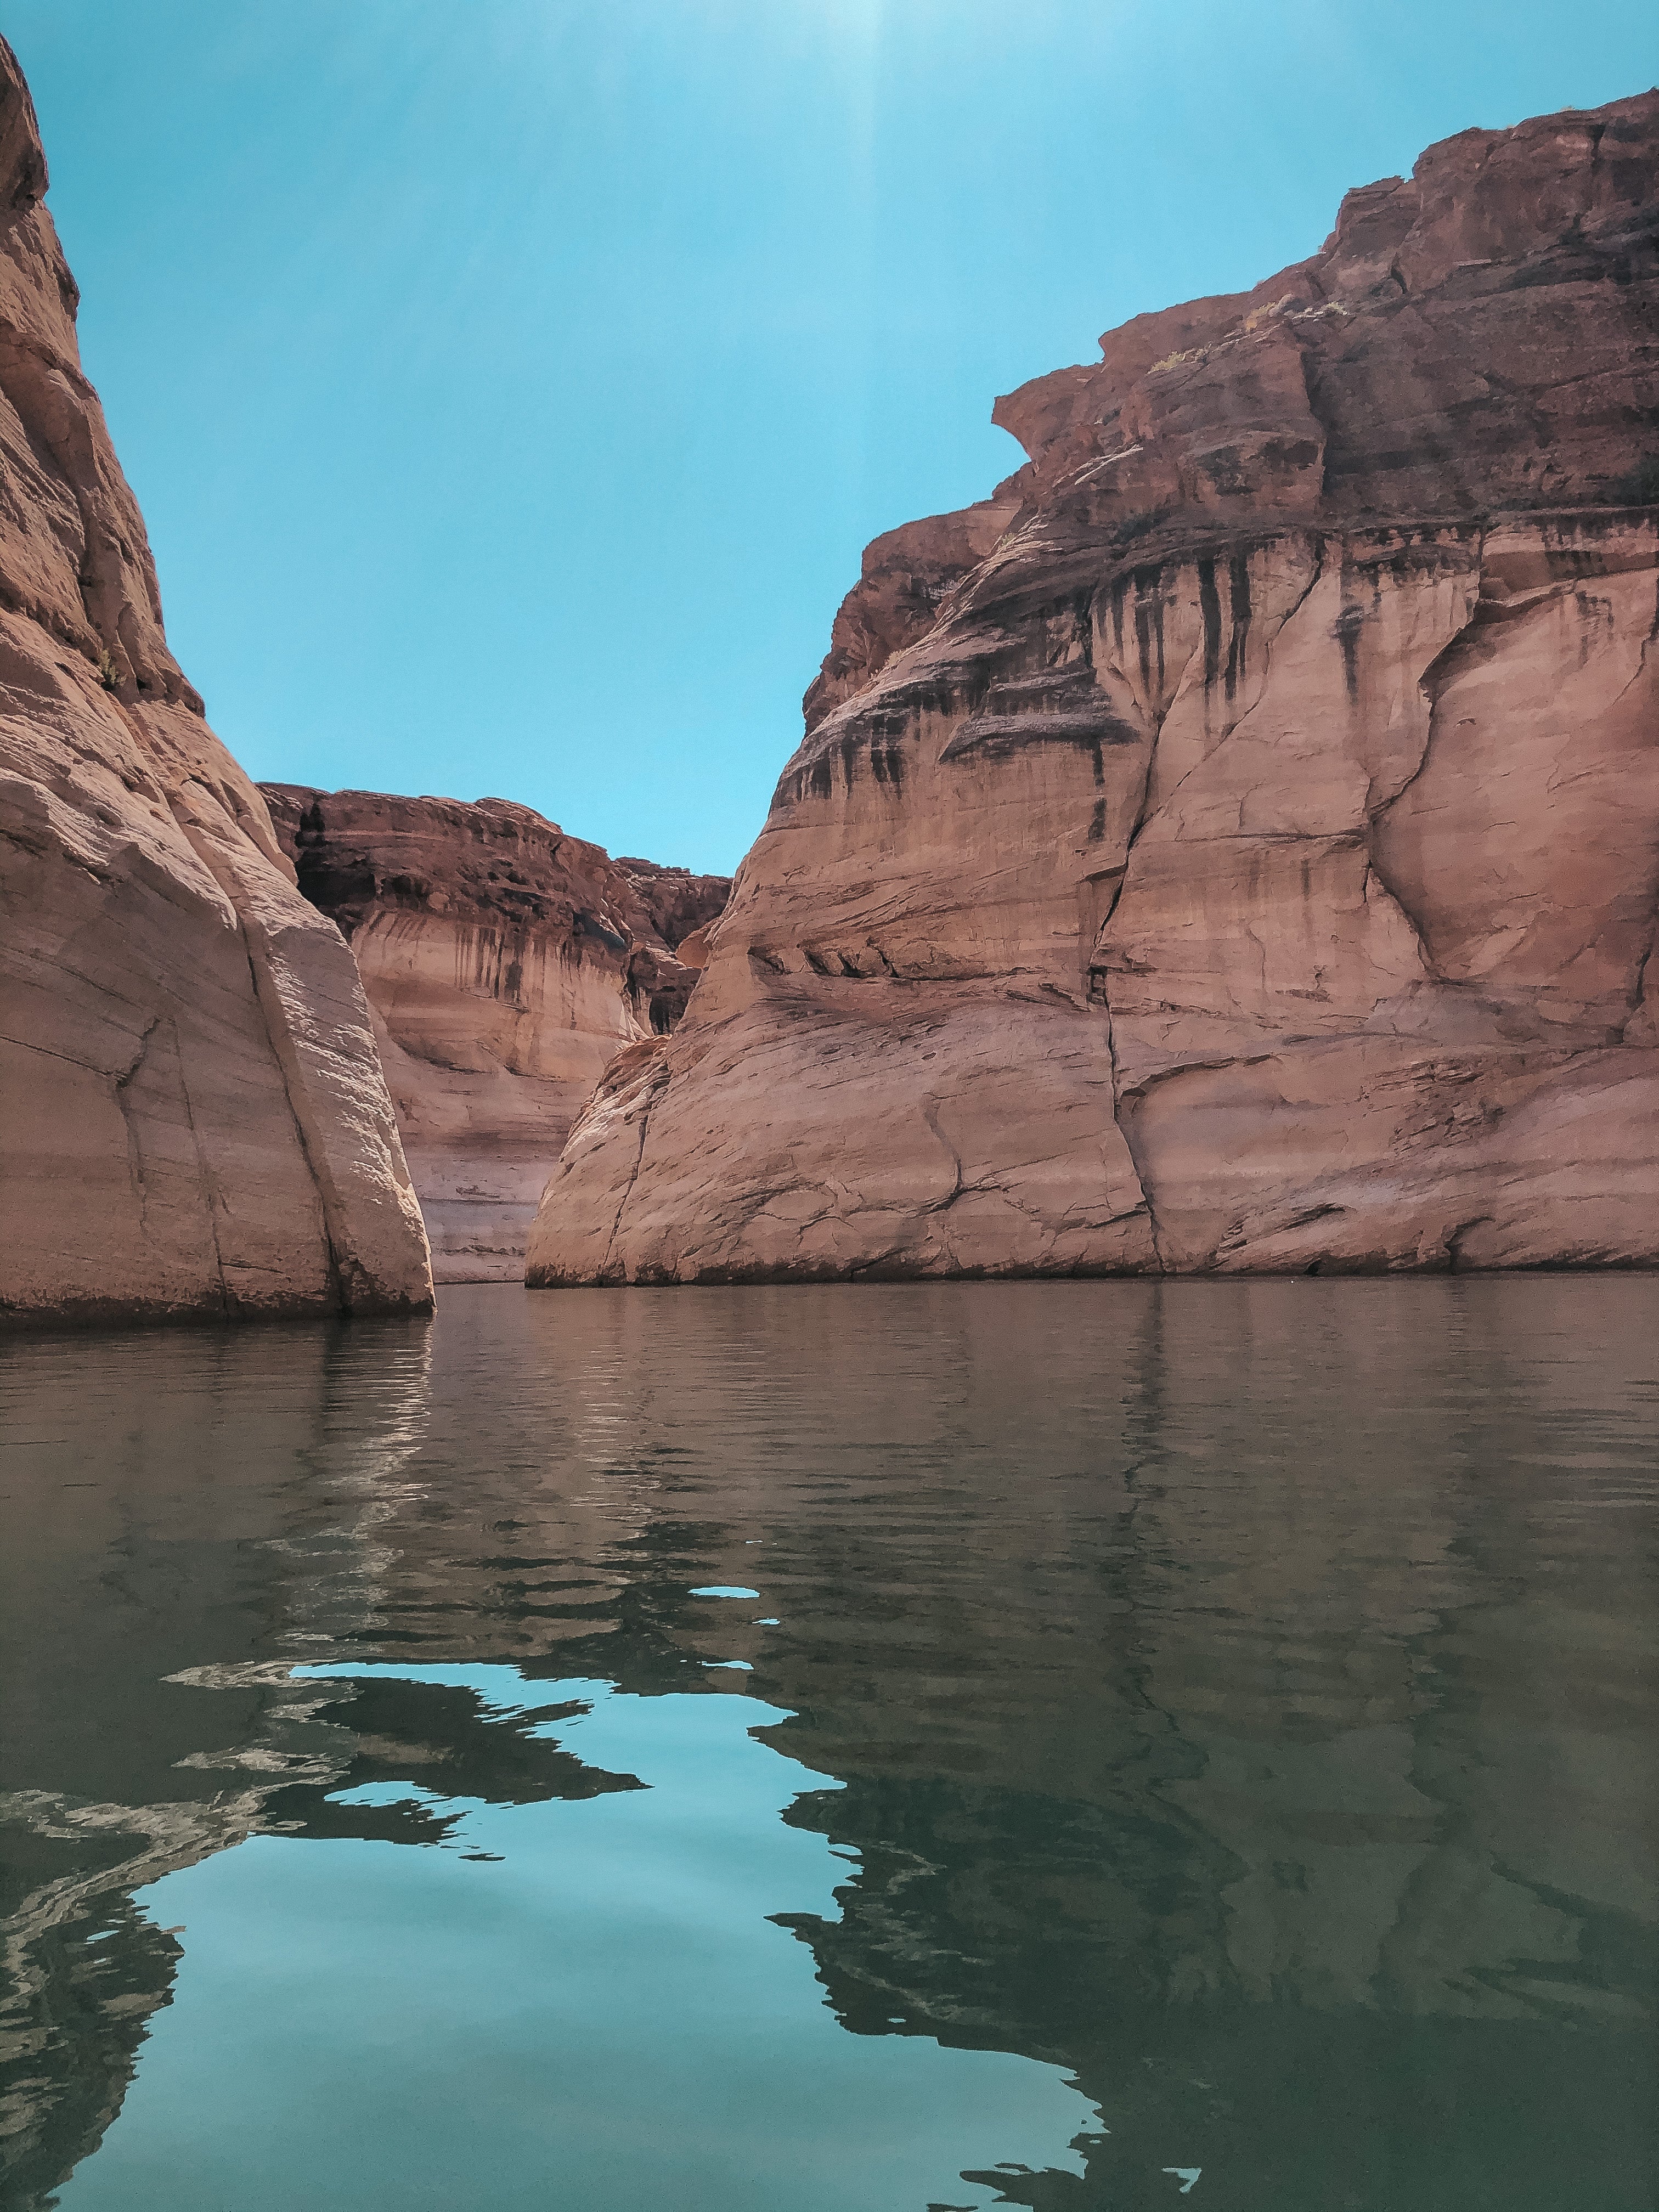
column 505, row 965
column 1234, row 844
column 193, row 1120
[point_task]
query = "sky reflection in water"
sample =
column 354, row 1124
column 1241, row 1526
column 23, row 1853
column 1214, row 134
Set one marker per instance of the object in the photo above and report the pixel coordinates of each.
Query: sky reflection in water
column 1078, row 1746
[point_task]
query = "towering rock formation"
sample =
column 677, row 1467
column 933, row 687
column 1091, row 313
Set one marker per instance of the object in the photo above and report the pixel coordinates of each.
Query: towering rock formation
column 192, row 1117
column 505, row 965
column 1234, row 844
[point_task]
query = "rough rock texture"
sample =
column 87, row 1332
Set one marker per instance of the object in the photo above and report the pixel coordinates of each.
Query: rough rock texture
column 1234, row 844
column 505, row 965
column 192, row 1117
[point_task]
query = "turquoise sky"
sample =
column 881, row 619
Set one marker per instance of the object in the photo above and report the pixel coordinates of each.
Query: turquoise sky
column 511, row 385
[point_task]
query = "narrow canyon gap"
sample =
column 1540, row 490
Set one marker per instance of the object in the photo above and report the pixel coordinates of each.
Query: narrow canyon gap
column 505, row 965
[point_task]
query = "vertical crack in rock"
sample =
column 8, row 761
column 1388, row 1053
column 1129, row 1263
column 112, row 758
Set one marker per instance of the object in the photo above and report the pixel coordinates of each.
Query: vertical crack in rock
column 1641, row 668
column 1315, row 540
column 1141, row 807
column 1123, row 1114
column 279, row 1037
column 261, row 995
column 1125, row 1130
column 204, row 1178
column 1639, row 990
column 653, row 1091
column 140, row 1182
column 1433, row 683
column 1378, row 882
column 1125, row 1105
column 1310, row 385
column 134, row 1149
column 930, row 1107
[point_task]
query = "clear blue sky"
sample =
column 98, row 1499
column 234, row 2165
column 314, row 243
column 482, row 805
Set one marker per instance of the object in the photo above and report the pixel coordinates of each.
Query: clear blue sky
column 511, row 385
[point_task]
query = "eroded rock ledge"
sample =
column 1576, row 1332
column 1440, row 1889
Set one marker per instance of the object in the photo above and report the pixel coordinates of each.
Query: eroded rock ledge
column 1234, row 845
column 505, row 964
column 193, row 1121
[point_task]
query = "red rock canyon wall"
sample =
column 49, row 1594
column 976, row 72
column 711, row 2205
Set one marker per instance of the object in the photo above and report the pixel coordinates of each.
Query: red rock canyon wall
column 1234, row 844
column 193, row 1120
column 505, row 965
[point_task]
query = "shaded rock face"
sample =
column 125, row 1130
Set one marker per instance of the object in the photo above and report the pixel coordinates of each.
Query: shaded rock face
column 1234, row 844
column 193, row 1121
column 505, row 964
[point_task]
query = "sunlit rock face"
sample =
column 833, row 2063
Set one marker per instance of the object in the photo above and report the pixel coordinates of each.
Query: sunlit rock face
column 505, row 965
column 192, row 1117
column 1234, row 845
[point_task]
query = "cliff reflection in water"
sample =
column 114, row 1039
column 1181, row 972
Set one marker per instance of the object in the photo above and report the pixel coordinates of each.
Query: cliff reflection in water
column 1228, row 1694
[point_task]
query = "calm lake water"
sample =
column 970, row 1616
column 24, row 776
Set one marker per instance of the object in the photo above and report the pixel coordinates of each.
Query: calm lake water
column 1076, row 1745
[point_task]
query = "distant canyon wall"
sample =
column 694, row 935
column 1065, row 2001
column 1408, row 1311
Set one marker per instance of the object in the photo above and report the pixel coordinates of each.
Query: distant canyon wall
column 193, row 1120
column 1234, row 845
column 505, row 965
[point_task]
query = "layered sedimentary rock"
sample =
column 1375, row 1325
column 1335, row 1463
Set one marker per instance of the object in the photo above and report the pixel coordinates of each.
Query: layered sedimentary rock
column 1234, row 844
column 505, row 965
column 193, row 1116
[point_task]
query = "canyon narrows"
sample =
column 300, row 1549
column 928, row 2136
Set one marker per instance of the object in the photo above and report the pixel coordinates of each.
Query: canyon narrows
column 1234, row 845
column 193, row 1120
column 505, row 965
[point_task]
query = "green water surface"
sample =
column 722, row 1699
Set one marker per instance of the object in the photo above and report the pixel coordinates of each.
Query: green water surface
column 867, row 1749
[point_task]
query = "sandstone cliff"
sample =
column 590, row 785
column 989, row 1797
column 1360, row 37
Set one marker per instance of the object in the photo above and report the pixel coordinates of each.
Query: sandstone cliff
column 192, row 1117
column 505, row 965
column 1234, row 844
